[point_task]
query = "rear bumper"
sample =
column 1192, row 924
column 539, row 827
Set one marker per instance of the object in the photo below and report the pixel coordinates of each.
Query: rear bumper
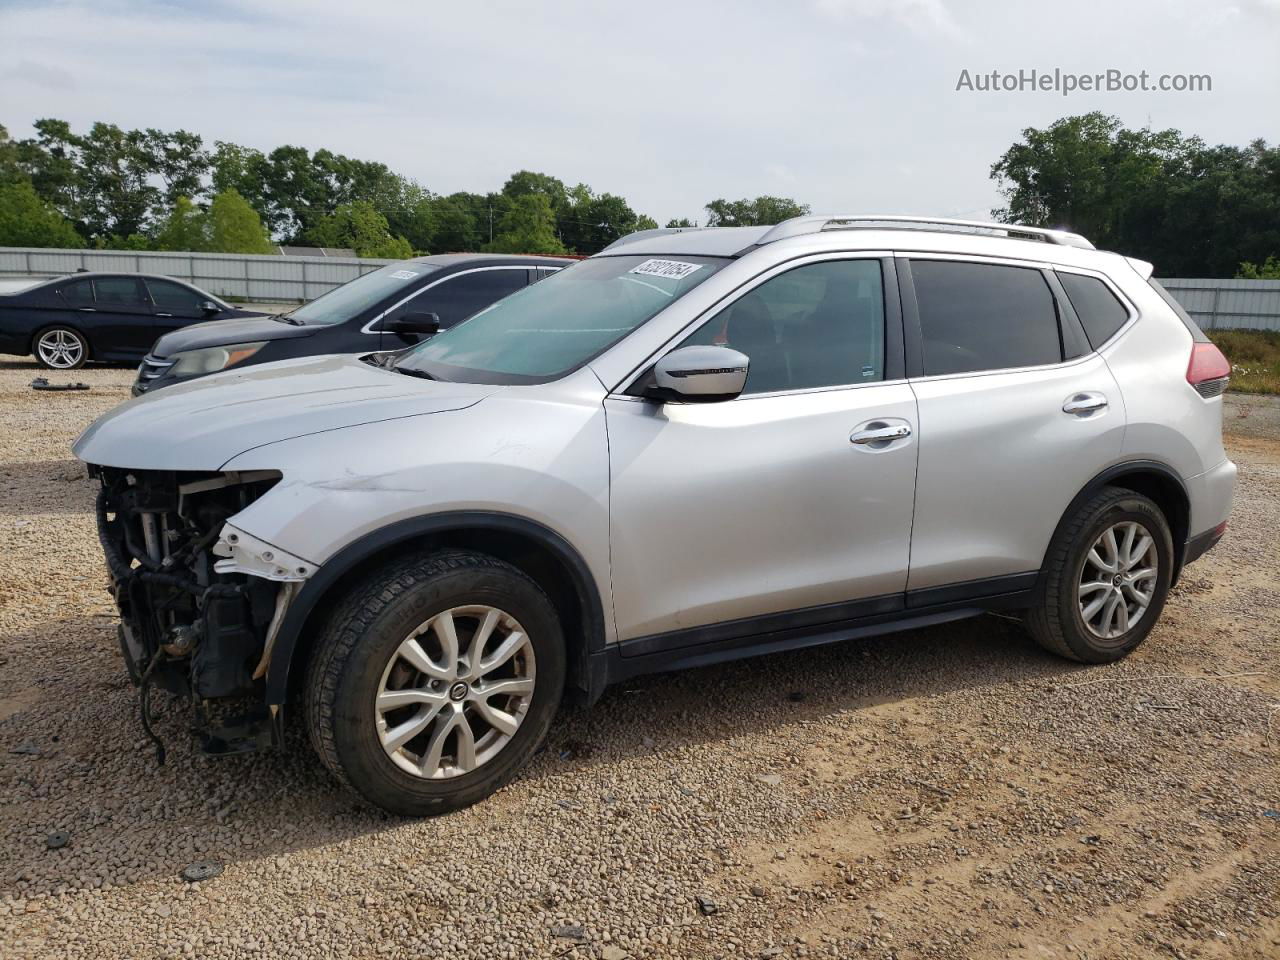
column 1197, row 546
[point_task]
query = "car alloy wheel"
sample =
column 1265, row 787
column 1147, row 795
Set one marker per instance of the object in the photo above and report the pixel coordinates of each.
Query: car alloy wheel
column 1118, row 581
column 60, row 349
column 455, row 692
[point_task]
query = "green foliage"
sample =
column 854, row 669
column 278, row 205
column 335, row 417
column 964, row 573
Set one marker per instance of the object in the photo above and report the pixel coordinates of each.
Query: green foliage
column 28, row 221
column 134, row 241
column 1270, row 270
column 235, row 227
column 1192, row 209
column 681, row 222
column 1254, row 356
column 762, row 211
column 361, row 227
column 453, row 227
column 186, row 228
column 528, row 226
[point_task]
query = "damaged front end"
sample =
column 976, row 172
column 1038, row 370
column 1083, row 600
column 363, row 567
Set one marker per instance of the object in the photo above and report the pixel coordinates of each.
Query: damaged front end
column 200, row 601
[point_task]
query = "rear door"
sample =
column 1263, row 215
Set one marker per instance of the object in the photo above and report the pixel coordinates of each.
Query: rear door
column 1016, row 413
column 123, row 317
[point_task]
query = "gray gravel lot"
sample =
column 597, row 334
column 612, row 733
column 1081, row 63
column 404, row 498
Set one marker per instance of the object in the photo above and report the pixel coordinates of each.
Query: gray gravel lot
column 951, row 792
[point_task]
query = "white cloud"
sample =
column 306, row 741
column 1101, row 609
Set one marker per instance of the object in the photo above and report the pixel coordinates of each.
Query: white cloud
column 921, row 16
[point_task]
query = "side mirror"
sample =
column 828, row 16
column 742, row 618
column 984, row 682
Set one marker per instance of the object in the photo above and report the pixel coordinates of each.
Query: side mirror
column 699, row 374
column 423, row 323
column 209, row 308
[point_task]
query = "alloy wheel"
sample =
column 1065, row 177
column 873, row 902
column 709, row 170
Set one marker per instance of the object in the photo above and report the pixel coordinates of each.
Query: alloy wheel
column 60, row 349
column 455, row 692
column 1118, row 579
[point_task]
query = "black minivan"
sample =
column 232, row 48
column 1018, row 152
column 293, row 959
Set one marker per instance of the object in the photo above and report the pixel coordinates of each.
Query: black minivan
column 388, row 309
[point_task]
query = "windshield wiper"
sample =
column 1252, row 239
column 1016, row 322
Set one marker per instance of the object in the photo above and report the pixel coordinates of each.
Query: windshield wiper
column 410, row 372
column 286, row 318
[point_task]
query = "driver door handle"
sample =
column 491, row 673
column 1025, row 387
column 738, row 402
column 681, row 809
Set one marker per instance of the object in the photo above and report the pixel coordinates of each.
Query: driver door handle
column 899, row 431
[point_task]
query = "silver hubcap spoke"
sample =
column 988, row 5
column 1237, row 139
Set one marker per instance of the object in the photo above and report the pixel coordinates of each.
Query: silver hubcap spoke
column 455, row 692
column 1118, row 581
column 58, row 348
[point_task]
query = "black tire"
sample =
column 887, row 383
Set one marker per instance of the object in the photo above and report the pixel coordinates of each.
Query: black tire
column 77, row 346
column 1055, row 620
column 358, row 642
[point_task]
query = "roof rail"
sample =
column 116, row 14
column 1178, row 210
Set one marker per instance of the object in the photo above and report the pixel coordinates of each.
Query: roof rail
column 799, row 226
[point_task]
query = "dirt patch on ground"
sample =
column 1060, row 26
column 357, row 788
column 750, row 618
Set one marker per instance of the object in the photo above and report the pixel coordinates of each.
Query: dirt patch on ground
column 951, row 792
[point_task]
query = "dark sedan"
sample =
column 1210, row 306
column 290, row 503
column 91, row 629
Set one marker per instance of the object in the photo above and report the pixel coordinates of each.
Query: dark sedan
column 387, row 309
column 115, row 317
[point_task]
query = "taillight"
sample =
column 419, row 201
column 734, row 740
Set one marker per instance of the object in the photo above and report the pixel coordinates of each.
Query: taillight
column 1208, row 370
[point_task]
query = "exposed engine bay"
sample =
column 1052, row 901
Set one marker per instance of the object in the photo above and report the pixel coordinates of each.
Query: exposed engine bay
column 199, row 601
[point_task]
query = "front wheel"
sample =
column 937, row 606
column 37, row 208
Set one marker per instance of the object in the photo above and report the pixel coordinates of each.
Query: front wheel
column 60, row 348
column 1106, row 578
column 435, row 682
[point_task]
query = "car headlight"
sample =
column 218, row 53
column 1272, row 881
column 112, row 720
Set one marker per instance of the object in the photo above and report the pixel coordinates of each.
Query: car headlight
column 213, row 359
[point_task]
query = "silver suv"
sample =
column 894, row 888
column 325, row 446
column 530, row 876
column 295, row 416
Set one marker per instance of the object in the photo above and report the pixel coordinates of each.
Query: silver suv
column 695, row 446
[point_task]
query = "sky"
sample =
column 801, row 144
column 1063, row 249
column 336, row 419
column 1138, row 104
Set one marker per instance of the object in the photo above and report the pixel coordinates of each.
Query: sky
column 850, row 106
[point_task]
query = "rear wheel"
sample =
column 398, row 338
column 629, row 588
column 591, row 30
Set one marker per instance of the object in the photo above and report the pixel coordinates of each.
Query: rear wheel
column 60, row 348
column 435, row 682
column 1106, row 579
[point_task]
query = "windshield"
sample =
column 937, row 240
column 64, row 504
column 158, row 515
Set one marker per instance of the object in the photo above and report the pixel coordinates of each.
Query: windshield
column 553, row 327
column 358, row 295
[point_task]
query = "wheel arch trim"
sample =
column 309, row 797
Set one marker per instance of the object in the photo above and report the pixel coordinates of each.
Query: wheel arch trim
column 331, row 573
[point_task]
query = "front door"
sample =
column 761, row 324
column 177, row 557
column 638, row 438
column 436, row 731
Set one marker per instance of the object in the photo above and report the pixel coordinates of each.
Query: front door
column 796, row 495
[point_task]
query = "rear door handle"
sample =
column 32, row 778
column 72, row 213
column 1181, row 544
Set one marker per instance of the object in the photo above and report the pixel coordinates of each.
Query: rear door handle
column 1079, row 404
column 881, row 433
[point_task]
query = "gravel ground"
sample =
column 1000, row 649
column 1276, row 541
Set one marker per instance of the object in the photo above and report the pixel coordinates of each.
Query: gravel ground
column 950, row 792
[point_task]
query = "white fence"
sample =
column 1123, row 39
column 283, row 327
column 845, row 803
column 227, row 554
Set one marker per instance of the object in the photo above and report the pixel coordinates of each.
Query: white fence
column 1229, row 304
column 241, row 276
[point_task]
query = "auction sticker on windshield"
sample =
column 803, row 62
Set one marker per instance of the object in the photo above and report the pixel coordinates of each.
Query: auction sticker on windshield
column 403, row 274
column 671, row 269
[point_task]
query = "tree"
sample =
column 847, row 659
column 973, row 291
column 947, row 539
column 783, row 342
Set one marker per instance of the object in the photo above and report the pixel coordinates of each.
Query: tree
column 28, row 221
column 762, row 211
column 453, row 225
column 682, row 222
column 527, row 227
column 235, row 227
column 1192, row 209
column 186, row 228
column 1270, row 270
column 179, row 159
column 362, row 228
column 594, row 222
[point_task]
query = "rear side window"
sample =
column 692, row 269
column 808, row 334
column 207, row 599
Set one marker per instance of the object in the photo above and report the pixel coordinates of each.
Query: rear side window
column 1096, row 306
column 78, row 293
column 977, row 316
column 455, row 299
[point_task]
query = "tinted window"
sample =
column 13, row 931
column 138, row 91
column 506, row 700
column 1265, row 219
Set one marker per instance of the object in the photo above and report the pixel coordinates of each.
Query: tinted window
column 976, row 316
column 362, row 294
column 78, row 293
column 174, row 296
column 459, row 297
column 820, row 325
column 1096, row 306
column 119, row 292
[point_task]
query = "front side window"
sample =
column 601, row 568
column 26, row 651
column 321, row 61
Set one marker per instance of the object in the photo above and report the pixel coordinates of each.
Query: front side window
column 174, row 296
column 456, row 298
column 820, row 325
column 119, row 292
column 980, row 316
column 356, row 296
column 553, row 327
